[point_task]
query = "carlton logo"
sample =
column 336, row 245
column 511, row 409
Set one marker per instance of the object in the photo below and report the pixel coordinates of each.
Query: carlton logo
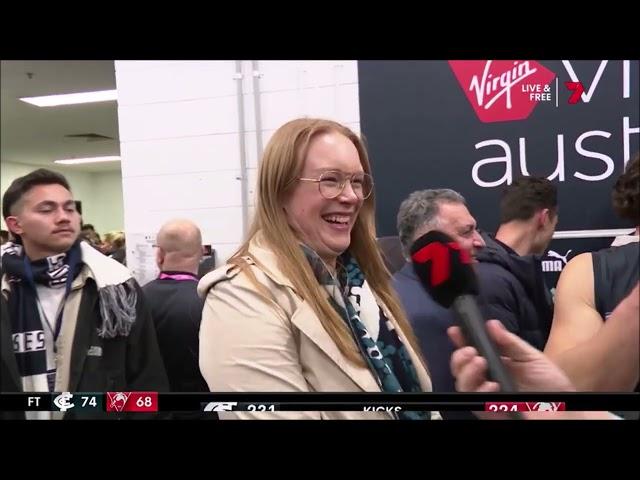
column 503, row 90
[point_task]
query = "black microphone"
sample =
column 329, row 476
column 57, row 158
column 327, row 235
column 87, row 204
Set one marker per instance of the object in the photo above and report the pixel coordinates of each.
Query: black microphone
column 446, row 272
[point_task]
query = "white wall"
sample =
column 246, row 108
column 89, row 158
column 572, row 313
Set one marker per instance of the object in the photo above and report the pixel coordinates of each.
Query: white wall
column 100, row 193
column 180, row 136
column 106, row 207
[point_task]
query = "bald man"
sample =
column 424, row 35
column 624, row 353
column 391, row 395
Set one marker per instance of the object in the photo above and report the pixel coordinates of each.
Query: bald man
column 175, row 306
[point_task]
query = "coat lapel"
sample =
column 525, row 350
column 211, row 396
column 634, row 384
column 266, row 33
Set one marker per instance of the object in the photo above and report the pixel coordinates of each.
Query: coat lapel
column 84, row 332
column 306, row 320
column 308, row 323
column 8, row 357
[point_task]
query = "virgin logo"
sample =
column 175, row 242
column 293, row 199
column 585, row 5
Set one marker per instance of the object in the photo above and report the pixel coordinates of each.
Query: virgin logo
column 499, row 90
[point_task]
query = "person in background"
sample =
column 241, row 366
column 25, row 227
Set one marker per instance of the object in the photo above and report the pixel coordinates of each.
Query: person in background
column 175, row 306
column 114, row 246
column 598, row 351
column 78, row 320
column 512, row 286
column 208, row 262
column 89, row 234
column 422, row 211
column 624, row 202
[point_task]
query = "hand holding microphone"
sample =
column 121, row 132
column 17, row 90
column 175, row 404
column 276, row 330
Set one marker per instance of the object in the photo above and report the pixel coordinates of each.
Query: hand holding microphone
column 531, row 369
column 445, row 271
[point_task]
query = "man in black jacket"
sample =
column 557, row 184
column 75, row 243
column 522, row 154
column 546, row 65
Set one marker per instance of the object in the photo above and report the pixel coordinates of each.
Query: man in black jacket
column 512, row 287
column 77, row 320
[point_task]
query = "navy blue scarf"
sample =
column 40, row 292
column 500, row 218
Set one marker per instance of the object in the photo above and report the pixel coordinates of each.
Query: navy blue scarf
column 28, row 335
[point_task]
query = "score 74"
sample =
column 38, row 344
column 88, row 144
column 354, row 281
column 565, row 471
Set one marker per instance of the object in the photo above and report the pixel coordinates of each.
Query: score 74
column 88, row 401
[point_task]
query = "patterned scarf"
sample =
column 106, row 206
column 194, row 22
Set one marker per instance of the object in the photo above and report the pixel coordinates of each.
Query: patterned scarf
column 352, row 298
column 27, row 325
column 34, row 347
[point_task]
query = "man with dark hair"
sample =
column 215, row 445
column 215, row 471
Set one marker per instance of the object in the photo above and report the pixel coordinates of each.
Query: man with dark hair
column 626, row 202
column 625, row 196
column 525, row 198
column 89, row 234
column 77, row 319
column 597, row 351
column 510, row 269
column 88, row 230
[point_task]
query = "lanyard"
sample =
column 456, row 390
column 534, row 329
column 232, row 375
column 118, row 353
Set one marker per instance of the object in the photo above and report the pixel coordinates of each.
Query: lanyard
column 180, row 277
column 58, row 323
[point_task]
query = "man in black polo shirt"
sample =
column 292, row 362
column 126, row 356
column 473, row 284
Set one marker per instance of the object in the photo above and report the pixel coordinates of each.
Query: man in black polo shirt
column 175, row 306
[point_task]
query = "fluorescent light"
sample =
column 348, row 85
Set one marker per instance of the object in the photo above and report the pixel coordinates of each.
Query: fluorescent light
column 77, row 161
column 72, row 98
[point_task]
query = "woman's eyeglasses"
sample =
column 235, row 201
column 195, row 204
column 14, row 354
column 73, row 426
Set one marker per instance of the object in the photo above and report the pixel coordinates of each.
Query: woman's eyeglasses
column 332, row 183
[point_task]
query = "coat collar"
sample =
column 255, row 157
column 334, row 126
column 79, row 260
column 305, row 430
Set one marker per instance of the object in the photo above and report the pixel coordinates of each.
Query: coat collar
column 306, row 320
